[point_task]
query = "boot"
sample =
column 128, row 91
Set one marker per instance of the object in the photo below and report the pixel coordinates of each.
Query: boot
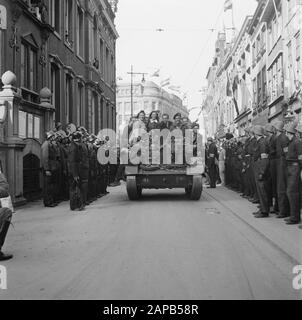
column 5, row 257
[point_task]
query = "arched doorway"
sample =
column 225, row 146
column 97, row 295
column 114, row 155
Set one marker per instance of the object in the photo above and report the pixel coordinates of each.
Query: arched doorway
column 31, row 177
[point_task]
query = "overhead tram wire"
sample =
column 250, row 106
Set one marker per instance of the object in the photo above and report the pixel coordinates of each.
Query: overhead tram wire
column 203, row 48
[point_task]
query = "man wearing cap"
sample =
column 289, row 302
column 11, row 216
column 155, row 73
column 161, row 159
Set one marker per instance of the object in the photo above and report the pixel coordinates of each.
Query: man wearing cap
column 165, row 123
column 74, row 159
column 247, row 166
column 272, row 182
column 282, row 143
column 250, row 153
column 177, row 122
column 293, row 174
column 212, row 160
column 49, row 170
column 261, row 170
column 92, row 152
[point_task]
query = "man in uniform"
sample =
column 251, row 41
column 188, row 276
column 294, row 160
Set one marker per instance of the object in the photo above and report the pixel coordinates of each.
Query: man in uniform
column 293, row 175
column 92, row 168
column 272, row 186
column 252, row 148
column 5, row 217
column 49, row 170
column 84, row 165
column 74, row 159
column 165, row 123
column 212, row 162
column 282, row 143
column 299, row 133
column 261, row 170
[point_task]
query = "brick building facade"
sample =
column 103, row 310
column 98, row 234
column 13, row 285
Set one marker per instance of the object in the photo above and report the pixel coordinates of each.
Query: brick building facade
column 63, row 55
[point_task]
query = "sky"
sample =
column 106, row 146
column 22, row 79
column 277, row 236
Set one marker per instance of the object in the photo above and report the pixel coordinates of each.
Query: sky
column 185, row 49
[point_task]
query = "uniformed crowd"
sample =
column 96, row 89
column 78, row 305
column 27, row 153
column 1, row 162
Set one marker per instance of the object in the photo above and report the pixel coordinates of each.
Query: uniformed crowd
column 71, row 170
column 264, row 166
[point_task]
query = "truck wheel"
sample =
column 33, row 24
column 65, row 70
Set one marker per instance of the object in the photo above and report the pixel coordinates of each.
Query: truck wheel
column 196, row 188
column 134, row 192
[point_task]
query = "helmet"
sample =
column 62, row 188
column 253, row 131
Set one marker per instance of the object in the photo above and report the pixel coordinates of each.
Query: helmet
column 269, row 128
column 258, row 131
column 279, row 126
column 49, row 135
column 291, row 128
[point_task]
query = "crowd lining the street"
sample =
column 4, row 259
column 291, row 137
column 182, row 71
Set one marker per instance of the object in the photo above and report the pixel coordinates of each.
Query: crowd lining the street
column 264, row 166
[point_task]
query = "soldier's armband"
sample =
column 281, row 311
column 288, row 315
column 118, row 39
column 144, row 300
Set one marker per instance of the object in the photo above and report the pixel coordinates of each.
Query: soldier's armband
column 264, row 156
column 300, row 158
column 285, row 150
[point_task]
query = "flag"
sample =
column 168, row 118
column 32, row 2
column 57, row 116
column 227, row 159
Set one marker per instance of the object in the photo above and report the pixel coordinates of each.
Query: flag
column 156, row 74
column 175, row 88
column 228, row 5
column 229, row 91
column 165, row 82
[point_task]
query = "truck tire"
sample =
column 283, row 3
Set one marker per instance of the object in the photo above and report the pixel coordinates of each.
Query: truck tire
column 133, row 190
column 197, row 187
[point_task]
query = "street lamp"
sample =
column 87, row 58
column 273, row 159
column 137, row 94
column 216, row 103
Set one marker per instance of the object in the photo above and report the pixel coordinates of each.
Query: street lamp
column 143, row 81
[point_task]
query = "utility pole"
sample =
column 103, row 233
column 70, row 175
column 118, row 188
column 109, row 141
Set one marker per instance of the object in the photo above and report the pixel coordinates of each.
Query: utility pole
column 132, row 76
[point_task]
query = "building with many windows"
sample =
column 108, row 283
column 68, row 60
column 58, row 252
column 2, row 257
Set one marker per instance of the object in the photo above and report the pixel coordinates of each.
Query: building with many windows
column 261, row 72
column 63, row 55
column 149, row 97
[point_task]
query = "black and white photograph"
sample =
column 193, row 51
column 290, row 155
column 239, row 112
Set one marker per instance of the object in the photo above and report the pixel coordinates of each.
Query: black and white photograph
column 150, row 150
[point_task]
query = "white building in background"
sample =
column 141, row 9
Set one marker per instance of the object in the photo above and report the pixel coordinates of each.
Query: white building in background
column 148, row 97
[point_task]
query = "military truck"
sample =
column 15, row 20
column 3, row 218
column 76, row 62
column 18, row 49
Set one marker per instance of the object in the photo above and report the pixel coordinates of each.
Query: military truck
column 187, row 177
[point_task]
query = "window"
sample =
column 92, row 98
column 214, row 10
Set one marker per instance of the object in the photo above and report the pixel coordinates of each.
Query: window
column 127, row 108
column 276, row 80
column 101, row 58
column 68, row 98
column 56, row 90
column 80, row 32
column 93, row 113
column 29, row 125
column 89, row 110
column 29, row 66
column 95, row 41
column 107, row 66
column 55, row 12
column 112, row 67
column 80, row 106
column 264, row 85
column 69, row 21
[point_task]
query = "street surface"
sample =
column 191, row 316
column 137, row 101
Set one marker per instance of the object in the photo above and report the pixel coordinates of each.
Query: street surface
column 162, row 247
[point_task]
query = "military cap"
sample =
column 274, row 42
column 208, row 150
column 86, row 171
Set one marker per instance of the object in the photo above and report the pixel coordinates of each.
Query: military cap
column 76, row 135
column 210, row 139
column 291, row 128
column 50, row 134
column 269, row 128
column 279, row 126
column 177, row 115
